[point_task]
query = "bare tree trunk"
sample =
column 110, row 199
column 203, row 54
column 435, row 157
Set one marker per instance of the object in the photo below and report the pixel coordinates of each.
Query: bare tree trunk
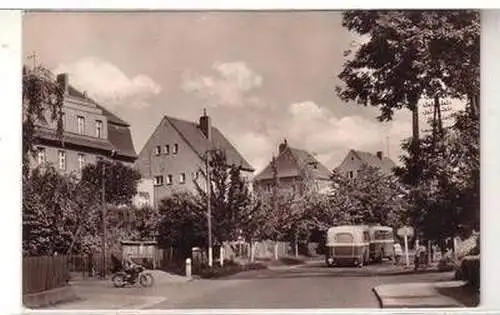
column 296, row 245
column 415, row 122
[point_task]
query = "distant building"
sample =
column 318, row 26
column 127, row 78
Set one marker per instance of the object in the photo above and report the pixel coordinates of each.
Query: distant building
column 355, row 159
column 175, row 153
column 145, row 192
column 91, row 132
column 294, row 169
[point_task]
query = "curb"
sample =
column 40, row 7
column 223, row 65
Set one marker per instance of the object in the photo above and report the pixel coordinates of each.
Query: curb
column 379, row 298
column 430, row 300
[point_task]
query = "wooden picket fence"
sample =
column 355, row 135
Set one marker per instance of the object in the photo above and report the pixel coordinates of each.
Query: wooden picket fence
column 44, row 273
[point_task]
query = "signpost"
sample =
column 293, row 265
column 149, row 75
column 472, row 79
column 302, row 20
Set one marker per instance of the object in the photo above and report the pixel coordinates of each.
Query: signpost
column 406, row 232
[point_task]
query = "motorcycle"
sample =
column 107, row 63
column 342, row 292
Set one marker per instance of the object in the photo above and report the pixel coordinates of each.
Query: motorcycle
column 139, row 275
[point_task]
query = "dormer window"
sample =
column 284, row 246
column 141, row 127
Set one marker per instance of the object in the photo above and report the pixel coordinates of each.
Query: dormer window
column 158, row 150
column 175, row 149
column 166, row 149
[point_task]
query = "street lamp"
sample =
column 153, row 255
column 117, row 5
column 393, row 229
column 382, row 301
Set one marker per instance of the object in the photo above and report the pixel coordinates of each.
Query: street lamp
column 209, row 203
column 103, row 221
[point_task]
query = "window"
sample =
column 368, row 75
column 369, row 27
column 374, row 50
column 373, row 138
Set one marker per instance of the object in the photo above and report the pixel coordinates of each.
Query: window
column 98, row 129
column 169, row 179
column 182, row 178
column 81, row 124
column 383, row 235
column 158, row 180
column 144, row 194
column 175, row 149
column 196, row 175
column 81, row 161
column 351, row 174
column 41, row 156
column 344, row 238
column 166, row 149
column 62, row 160
column 157, row 150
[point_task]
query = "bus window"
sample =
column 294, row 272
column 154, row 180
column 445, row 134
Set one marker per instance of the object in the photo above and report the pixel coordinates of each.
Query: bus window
column 383, row 235
column 344, row 238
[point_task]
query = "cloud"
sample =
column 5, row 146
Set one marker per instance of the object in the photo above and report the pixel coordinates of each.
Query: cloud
column 229, row 86
column 106, row 83
column 320, row 131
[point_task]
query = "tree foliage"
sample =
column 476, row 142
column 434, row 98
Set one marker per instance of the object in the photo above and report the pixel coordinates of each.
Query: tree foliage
column 448, row 196
column 182, row 223
column 120, row 181
column 42, row 100
column 57, row 211
column 369, row 198
column 230, row 198
column 410, row 55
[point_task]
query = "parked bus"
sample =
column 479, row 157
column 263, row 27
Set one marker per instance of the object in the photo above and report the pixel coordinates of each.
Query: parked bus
column 347, row 244
column 381, row 243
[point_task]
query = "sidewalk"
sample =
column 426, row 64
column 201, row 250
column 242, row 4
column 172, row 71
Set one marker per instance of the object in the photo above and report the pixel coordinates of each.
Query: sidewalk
column 416, row 295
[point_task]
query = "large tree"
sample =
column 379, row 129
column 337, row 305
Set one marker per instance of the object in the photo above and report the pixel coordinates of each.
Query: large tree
column 409, row 56
column 42, row 99
column 371, row 197
column 448, row 197
column 120, row 181
column 60, row 214
column 229, row 197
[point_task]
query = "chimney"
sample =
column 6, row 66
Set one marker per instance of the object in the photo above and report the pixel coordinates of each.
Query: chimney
column 206, row 125
column 283, row 146
column 62, row 80
column 379, row 155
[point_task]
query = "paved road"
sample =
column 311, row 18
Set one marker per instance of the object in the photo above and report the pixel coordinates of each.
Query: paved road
column 304, row 287
column 310, row 286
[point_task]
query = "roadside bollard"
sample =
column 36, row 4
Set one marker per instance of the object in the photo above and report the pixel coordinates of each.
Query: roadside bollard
column 221, row 256
column 188, row 267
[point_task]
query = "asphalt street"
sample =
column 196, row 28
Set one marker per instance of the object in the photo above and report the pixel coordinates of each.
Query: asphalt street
column 313, row 286
column 306, row 286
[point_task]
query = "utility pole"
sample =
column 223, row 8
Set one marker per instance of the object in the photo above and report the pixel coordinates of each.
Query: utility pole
column 103, row 221
column 209, row 209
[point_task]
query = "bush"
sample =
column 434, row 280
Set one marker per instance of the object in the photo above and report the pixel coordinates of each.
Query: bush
column 469, row 271
column 217, row 271
column 446, row 264
column 291, row 261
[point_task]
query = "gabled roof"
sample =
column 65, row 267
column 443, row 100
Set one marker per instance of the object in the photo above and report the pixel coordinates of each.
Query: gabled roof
column 369, row 159
column 118, row 130
column 195, row 138
column 72, row 91
column 293, row 162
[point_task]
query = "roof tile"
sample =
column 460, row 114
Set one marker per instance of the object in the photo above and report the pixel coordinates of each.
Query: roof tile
column 200, row 144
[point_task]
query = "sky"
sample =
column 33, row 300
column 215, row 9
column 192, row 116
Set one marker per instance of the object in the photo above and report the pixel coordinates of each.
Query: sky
column 262, row 76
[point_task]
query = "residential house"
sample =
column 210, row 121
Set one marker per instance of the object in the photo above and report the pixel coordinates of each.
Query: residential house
column 175, row 154
column 355, row 160
column 294, row 169
column 91, row 132
column 145, row 192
